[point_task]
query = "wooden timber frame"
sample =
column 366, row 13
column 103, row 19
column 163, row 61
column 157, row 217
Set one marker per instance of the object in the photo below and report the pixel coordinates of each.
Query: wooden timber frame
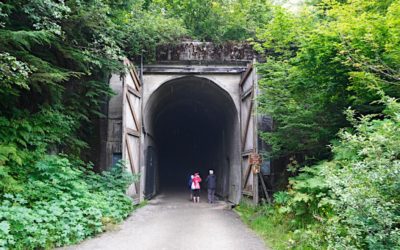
column 131, row 125
column 248, row 133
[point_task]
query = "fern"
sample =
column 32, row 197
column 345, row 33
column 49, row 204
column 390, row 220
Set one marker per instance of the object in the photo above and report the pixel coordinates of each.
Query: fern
column 25, row 39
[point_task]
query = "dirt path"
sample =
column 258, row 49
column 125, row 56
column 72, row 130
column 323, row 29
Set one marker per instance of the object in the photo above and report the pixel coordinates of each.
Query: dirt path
column 171, row 222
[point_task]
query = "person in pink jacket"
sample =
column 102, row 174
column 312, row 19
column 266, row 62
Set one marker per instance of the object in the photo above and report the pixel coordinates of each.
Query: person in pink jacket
column 196, row 187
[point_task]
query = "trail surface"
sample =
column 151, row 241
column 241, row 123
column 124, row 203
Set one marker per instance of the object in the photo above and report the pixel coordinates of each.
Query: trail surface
column 171, row 222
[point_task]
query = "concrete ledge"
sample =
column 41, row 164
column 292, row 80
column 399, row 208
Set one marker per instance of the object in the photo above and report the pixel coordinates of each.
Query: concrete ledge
column 193, row 69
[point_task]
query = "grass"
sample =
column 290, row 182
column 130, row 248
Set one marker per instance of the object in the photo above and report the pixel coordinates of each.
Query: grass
column 112, row 226
column 268, row 225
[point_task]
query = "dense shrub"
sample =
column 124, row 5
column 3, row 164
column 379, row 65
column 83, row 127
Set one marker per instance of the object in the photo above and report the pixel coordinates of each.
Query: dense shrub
column 55, row 61
column 333, row 55
column 365, row 186
column 351, row 201
column 62, row 204
column 320, row 61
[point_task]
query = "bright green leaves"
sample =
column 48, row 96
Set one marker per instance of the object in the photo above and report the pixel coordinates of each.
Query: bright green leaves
column 345, row 53
column 49, row 201
column 321, row 61
column 218, row 21
column 279, row 33
column 9, row 152
column 62, row 205
column 351, row 201
column 46, row 15
column 13, row 73
column 24, row 40
column 392, row 46
column 365, row 184
column 151, row 28
column 37, row 131
column 368, row 38
column 53, row 81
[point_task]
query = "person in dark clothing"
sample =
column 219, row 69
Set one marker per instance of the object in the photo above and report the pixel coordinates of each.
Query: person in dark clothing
column 211, row 185
column 190, row 187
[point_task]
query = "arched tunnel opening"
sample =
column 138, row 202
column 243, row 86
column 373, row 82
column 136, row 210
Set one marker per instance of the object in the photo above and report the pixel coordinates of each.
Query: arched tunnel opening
column 192, row 126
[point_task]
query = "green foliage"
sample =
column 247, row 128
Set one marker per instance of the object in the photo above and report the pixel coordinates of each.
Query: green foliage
column 333, row 55
column 62, row 204
column 49, row 201
column 12, row 72
column 321, row 61
column 349, row 202
column 151, row 28
column 218, row 21
column 271, row 226
column 55, row 61
column 60, row 54
column 363, row 178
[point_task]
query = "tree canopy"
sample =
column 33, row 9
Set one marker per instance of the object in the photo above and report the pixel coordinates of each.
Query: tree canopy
column 330, row 82
column 329, row 57
column 329, row 78
column 55, row 61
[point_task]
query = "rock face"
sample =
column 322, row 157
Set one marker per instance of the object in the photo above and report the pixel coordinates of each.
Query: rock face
column 205, row 51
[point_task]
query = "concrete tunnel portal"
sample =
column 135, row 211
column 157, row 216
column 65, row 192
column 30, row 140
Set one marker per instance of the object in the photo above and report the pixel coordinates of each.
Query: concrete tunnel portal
column 191, row 126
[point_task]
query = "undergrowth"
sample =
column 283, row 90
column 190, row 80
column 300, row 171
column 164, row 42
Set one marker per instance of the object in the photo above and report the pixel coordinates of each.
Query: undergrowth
column 349, row 202
column 266, row 224
column 62, row 203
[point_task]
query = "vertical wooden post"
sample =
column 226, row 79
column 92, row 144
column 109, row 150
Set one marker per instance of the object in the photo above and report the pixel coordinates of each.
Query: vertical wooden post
column 256, row 197
column 255, row 189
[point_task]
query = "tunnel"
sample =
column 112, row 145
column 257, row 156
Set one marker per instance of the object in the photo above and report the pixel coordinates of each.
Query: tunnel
column 191, row 125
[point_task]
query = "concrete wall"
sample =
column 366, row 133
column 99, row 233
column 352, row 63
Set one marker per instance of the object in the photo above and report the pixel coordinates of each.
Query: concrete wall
column 205, row 51
column 227, row 79
column 113, row 143
column 229, row 147
column 152, row 81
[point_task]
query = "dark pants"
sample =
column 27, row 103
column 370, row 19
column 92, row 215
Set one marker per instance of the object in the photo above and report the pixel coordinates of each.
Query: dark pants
column 211, row 195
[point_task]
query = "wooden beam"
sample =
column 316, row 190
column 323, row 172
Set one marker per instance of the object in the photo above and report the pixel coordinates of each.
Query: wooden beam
column 246, row 177
column 246, row 94
column 133, row 91
column 131, row 162
column 246, row 74
column 248, row 193
column 133, row 113
column 256, row 198
column 264, row 188
column 247, row 152
column 132, row 73
column 132, row 132
column 247, row 122
column 134, row 78
column 137, row 77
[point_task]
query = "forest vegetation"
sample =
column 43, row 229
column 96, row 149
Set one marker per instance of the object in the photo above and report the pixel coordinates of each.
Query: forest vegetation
column 330, row 79
column 331, row 86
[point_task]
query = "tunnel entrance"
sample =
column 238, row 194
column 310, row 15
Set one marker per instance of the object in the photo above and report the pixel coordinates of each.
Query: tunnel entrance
column 191, row 125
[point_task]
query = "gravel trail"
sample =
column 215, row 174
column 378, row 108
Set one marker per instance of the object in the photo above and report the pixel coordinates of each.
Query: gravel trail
column 171, row 222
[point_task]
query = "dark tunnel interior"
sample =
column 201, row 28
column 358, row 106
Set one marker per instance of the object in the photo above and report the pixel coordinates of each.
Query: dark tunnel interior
column 187, row 139
column 193, row 121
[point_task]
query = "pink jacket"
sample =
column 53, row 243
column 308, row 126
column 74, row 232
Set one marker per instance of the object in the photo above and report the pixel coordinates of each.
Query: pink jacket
column 196, row 181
